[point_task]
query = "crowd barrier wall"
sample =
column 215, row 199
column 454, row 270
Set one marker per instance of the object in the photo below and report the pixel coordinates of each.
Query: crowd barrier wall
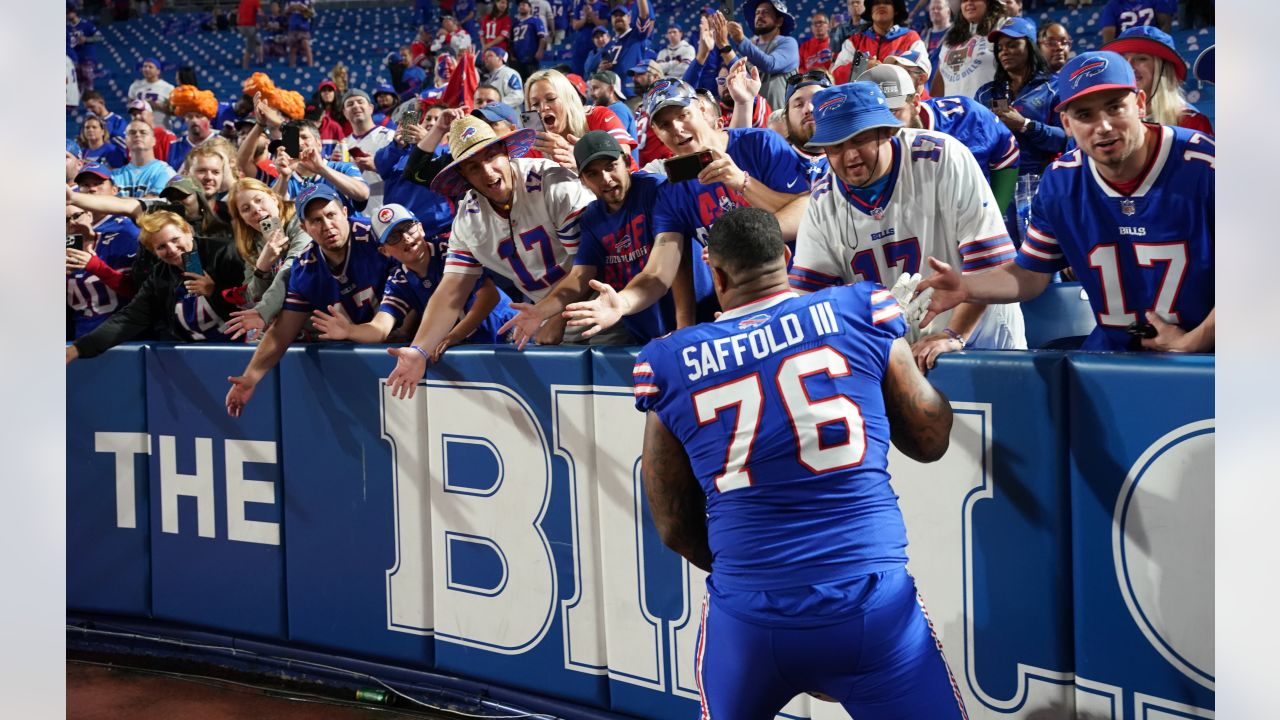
column 494, row 528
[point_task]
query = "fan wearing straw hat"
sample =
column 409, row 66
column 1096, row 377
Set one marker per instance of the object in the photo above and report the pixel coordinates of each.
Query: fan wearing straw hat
column 518, row 218
column 1160, row 72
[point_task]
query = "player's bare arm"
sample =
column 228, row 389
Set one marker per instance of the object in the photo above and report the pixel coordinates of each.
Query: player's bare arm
column 645, row 289
column 919, row 414
column 269, row 351
column 442, row 311
column 676, row 500
column 1005, row 284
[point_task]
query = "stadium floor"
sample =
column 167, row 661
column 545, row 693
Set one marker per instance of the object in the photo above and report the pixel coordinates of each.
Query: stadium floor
column 101, row 692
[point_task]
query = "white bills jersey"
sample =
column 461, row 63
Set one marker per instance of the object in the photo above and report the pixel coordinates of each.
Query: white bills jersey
column 934, row 201
column 535, row 246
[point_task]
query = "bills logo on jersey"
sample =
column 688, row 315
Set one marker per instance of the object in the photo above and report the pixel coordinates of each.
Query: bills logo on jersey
column 1088, row 70
column 385, row 214
column 753, row 321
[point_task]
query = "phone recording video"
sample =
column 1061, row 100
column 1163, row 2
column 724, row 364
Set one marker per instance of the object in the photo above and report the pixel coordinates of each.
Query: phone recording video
column 687, row 167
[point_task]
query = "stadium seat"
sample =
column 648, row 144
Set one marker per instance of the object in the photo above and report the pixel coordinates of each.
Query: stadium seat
column 1062, row 311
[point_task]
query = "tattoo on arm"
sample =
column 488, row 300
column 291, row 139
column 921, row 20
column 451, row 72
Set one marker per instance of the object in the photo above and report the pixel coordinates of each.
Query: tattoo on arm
column 919, row 414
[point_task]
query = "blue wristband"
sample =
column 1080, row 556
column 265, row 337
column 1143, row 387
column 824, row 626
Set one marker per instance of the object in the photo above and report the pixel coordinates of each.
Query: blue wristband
column 424, row 354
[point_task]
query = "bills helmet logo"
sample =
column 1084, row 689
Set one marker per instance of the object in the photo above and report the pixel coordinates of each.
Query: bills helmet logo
column 1090, row 69
column 385, row 215
column 753, row 321
column 467, row 133
column 830, row 105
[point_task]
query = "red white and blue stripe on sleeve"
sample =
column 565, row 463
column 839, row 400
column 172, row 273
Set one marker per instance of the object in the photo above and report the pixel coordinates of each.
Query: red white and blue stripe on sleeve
column 1040, row 250
column 646, row 388
column 807, row 280
column 297, row 302
column 884, row 307
column 984, row 253
column 462, row 261
column 570, row 232
column 1011, row 155
column 395, row 307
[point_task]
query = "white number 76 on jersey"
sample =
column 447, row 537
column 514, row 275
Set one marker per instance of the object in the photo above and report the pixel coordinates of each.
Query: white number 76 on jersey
column 807, row 416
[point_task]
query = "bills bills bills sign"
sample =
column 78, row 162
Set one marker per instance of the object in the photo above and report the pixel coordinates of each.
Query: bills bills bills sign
column 494, row 526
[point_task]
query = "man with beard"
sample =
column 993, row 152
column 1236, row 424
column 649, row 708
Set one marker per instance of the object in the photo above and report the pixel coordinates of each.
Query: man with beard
column 893, row 196
column 385, row 100
column 342, row 267
column 799, row 116
column 518, row 218
column 627, row 48
column 198, row 130
column 605, row 88
column 816, row 52
column 643, row 76
column 1130, row 209
column 365, row 140
column 772, row 51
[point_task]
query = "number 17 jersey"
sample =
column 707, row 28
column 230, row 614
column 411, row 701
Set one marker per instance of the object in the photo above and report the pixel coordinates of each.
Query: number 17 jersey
column 780, row 408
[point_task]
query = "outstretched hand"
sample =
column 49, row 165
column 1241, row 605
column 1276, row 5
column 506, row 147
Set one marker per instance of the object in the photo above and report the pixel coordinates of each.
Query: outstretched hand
column 948, row 290
column 411, row 366
column 599, row 313
column 526, row 324
column 333, row 325
column 239, row 395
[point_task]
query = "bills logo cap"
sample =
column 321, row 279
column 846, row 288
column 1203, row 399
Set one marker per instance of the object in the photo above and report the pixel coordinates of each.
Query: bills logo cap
column 1092, row 72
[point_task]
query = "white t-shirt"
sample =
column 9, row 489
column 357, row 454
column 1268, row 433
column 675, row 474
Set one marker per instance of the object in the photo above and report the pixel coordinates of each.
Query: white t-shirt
column 73, row 85
column 938, row 205
column 151, row 91
column 371, row 142
column 965, row 68
column 534, row 248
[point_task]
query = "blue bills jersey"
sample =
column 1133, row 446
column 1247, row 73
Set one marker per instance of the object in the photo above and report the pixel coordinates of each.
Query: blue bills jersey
column 617, row 245
column 407, row 292
column 1133, row 253
column 90, row 299
column 779, row 405
column 357, row 284
column 991, row 143
column 1124, row 14
column 689, row 207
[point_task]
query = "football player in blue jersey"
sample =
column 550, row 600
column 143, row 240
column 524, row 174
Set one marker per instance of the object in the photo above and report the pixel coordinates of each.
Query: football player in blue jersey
column 401, row 237
column 744, row 166
column 184, row 305
column 1130, row 210
column 342, row 266
column 617, row 236
column 765, row 463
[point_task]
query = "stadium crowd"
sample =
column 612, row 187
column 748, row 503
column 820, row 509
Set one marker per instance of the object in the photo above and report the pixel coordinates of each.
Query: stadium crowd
column 548, row 171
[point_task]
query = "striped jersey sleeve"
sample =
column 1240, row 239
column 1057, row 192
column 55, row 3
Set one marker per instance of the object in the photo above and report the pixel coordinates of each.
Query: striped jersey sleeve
column 985, row 253
column 1007, row 153
column 1040, row 250
column 886, row 312
column 644, row 383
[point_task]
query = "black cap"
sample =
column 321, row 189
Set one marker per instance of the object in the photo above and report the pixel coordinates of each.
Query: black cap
column 595, row 145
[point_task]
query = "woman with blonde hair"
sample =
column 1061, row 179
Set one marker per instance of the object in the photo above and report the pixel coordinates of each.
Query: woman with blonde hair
column 1160, row 72
column 268, row 238
column 564, row 118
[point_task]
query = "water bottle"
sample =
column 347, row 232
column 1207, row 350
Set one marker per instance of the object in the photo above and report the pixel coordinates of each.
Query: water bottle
column 344, row 153
column 1026, row 190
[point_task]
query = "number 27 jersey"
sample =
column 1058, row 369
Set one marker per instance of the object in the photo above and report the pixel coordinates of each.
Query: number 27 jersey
column 779, row 405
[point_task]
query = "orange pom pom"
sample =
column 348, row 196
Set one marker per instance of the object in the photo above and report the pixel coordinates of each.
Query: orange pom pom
column 190, row 99
column 257, row 83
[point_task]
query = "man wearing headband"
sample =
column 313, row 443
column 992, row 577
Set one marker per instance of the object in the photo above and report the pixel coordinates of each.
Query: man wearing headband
column 1130, row 210
column 893, row 196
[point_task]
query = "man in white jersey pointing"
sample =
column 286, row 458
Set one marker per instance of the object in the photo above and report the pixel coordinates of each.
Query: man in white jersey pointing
column 894, row 196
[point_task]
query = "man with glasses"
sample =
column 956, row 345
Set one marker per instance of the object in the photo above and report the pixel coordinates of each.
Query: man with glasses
column 816, row 51
column 400, row 237
column 894, row 196
column 1055, row 45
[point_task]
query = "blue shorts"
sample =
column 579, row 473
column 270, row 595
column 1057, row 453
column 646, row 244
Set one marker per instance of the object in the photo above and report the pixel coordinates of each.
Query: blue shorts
column 882, row 662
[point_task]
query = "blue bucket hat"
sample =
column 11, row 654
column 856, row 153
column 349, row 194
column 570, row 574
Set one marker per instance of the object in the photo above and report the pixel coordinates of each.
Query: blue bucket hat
column 665, row 93
column 749, row 14
column 1149, row 40
column 319, row 191
column 1092, row 72
column 843, row 111
column 1015, row 27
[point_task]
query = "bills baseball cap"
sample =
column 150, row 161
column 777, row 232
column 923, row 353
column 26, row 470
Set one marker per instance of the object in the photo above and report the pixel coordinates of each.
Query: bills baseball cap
column 385, row 90
column 843, row 111
column 1149, row 40
column 594, row 145
column 912, row 59
column 179, row 187
column 646, row 66
column 893, row 81
column 610, row 78
column 600, row 30
column 667, row 92
column 622, row 8
column 499, row 111
column 1014, row 27
column 311, row 193
column 1092, row 72
column 388, row 218
column 138, row 104
column 97, row 170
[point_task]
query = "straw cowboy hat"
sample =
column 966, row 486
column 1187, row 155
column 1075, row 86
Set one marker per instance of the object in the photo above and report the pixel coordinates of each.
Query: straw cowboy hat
column 469, row 136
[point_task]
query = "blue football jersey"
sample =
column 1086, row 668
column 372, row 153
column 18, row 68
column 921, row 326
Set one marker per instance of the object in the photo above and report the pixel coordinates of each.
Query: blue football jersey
column 780, row 407
column 961, row 117
column 618, row 245
column 689, row 207
column 1150, row 250
column 407, row 292
column 92, row 301
column 1124, row 14
column 524, row 36
column 358, row 284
